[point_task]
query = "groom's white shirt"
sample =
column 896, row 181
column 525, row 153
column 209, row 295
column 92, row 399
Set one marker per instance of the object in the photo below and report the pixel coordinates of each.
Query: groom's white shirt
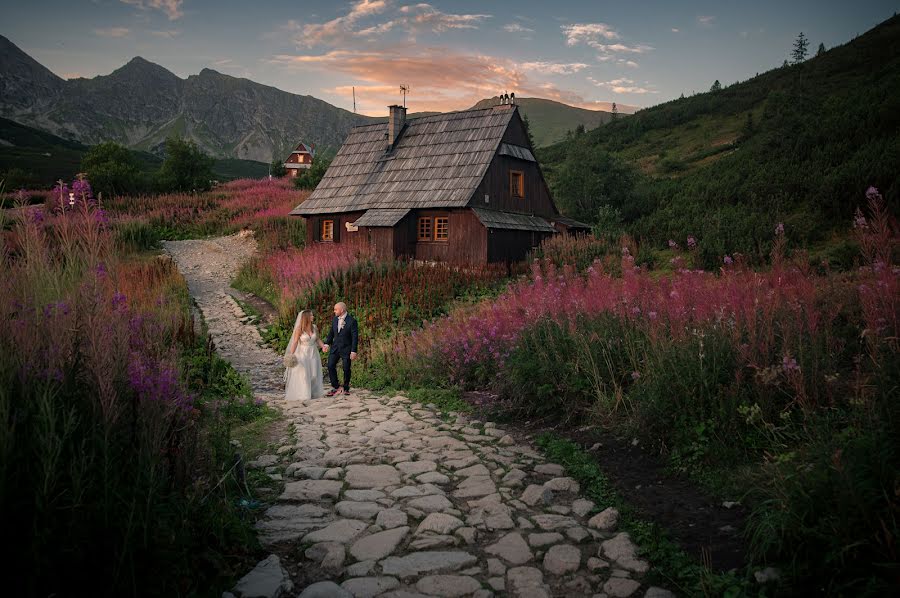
column 341, row 319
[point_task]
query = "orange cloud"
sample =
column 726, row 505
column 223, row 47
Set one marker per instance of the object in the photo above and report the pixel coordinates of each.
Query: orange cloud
column 440, row 79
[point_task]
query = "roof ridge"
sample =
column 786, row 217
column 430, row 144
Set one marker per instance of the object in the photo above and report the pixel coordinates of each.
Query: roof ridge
column 437, row 116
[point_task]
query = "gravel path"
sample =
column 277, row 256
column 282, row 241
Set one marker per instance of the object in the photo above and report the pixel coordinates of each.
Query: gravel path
column 385, row 497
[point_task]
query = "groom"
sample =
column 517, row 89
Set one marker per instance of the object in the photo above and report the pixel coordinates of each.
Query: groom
column 341, row 343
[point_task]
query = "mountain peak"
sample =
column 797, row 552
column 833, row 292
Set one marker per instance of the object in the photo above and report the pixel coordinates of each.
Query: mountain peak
column 25, row 84
column 139, row 66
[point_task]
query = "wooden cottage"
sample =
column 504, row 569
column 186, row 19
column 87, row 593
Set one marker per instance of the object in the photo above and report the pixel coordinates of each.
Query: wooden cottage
column 300, row 159
column 461, row 187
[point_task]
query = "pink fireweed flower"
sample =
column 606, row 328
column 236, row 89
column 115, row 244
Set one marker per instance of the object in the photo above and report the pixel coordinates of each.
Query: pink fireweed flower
column 672, row 244
column 635, row 375
column 727, row 260
column 779, row 229
column 691, row 242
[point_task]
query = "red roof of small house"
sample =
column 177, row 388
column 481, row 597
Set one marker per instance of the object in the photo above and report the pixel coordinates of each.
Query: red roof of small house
column 302, row 148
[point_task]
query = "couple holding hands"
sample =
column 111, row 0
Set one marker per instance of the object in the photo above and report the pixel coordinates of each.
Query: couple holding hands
column 303, row 367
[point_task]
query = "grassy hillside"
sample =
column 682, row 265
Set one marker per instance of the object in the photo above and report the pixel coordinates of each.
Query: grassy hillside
column 37, row 156
column 35, row 159
column 551, row 120
column 798, row 145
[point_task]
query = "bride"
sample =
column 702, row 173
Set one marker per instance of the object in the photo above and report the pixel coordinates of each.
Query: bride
column 303, row 366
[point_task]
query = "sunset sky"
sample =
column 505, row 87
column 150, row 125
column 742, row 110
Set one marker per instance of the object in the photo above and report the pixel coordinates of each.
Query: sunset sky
column 451, row 54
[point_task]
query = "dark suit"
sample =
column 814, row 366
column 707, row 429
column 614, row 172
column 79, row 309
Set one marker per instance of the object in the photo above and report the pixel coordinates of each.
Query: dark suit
column 340, row 344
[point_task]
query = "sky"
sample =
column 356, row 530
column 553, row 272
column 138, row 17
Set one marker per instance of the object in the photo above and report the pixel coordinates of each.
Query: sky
column 449, row 53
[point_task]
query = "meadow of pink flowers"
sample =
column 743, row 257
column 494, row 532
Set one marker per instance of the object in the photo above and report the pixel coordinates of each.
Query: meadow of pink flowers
column 768, row 315
column 258, row 204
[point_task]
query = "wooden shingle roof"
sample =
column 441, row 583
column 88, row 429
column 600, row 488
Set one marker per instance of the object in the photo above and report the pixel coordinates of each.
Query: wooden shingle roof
column 437, row 162
column 510, row 221
column 381, row 217
column 571, row 223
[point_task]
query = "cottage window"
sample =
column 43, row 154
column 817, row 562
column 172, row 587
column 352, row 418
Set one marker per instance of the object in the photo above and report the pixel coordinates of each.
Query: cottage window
column 517, row 183
column 424, row 229
column 441, row 228
column 328, row 230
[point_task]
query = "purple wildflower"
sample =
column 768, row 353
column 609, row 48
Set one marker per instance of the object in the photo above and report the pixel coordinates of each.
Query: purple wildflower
column 789, row 364
column 118, row 300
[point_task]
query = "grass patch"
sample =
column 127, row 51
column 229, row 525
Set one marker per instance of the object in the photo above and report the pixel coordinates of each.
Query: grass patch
column 254, row 435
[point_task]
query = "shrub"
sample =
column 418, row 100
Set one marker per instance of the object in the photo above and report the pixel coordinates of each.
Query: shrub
column 112, row 169
column 110, row 447
column 185, row 168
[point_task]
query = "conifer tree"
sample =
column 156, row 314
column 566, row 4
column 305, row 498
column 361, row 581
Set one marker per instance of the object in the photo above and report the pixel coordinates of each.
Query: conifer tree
column 716, row 86
column 801, row 44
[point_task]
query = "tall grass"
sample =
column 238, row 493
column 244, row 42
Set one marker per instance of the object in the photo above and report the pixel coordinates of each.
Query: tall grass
column 110, row 447
column 782, row 382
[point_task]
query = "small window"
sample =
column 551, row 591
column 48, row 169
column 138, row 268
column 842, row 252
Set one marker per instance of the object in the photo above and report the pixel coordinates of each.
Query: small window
column 328, row 230
column 441, row 228
column 517, row 183
column 424, row 229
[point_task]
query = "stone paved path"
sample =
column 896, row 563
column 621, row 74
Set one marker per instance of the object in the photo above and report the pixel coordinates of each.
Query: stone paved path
column 209, row 265
column 385, row 497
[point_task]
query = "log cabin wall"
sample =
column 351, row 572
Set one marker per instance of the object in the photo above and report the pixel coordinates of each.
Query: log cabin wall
column 381, row 241
column 404, row 237
column 467, row 243
column 496, row 185
column 496, row 182
column 341, row 234
column 512, row 245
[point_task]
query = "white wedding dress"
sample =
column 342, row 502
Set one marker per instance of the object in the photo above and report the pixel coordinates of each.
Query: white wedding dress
column 304, row 380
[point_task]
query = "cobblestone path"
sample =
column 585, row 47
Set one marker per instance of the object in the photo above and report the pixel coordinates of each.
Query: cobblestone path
column 385, row 497
column 209, row 265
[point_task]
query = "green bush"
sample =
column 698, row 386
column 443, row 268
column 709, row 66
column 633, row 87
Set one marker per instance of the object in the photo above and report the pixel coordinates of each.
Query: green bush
column 555, row 369
column 185, row 168
column 112, row 169
column 831, row 508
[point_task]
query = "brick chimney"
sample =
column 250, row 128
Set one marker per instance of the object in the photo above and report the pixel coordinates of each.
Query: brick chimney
column 396, row 120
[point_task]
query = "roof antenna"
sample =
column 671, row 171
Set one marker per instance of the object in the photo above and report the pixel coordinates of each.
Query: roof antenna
column 354, row 99
column 404, row 89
